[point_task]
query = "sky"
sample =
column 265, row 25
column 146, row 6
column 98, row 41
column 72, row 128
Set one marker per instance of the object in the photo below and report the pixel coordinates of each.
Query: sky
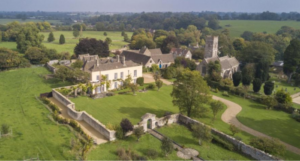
column 151, row 5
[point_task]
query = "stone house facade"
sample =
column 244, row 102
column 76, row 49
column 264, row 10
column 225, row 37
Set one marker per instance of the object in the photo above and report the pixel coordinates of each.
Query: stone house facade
column 115, row 70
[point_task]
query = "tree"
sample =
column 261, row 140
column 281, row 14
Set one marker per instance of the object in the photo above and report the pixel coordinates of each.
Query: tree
column 168, row 43
column 234, row 129
column 291, row 58
column 247, row 35
column 262, row 71
column 126, row 38
column 154, row 68
column 190, row 92
column 75, row 33
column 236, row 78
column 166, row 146
column 214, row 71
column 11, row 59
column 77, row 64
column 213, row 23
column 51, row 37
column 256, row 85
column 133, row 87
column 105, row 34
column 63, row 73
column 141, row 40
column 34, row 55
column 201, row 132
column 93, row 47
column 272, row 146
column 239, row 44
column 159, row 84
column 283, row 98
column 268, row 87
column 126, row 125
column 138, row 132
column 256, row 52
column 216, row 106
column 62, row 39
column 29, row 37
column 108, row 40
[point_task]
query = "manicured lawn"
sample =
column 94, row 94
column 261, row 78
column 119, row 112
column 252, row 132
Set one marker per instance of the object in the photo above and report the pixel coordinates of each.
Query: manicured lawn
column 117, row 39
column 207, row 151
column 6, row 21
column 9, row 45
column 113, row 109
column 108, row 151
column 239, row 26
column 33, row 133
column 277, row 124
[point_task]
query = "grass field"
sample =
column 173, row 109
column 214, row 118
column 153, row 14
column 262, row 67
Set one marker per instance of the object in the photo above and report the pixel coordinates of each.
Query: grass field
column 33, row 133
column 207, row 151
column 237, row 27
column 113, row 109
column 108, row 151
column 117, row 40
column 6, row 21
column 277, row 124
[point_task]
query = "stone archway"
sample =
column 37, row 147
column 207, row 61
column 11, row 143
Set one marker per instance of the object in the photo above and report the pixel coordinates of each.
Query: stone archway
column 148, row 121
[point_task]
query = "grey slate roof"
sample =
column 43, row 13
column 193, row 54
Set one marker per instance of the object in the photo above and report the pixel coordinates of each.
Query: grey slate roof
column 278, row 64
column 102, row 64
column 136, row 57
column 165, row 58
column 179, row 52
column 225, row 61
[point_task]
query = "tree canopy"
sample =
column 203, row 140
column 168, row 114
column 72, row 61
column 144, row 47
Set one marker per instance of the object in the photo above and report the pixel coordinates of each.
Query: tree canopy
column 93, row 47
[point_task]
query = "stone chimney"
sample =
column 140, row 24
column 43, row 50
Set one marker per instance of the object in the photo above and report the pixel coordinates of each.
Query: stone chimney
column 118, row 58
column 124, row 63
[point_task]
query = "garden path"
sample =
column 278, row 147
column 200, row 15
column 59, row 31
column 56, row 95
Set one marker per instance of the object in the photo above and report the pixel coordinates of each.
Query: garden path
column 296, row 98
column 229, row 117
column 148, row 78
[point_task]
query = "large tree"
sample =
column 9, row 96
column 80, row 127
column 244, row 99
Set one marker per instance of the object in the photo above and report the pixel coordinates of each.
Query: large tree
column 291, row 58
column 169, row 43
column 62, row 39
column 34, row 55
column 11, row 59
column 258, row 52
column 93, row 47
column 190, row 93
column 237, row 78
column 29, row 37
column 256, row 85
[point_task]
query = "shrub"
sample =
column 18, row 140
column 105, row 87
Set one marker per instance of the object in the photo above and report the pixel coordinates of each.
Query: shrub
column 272, row 146
column 256, row 84
column 138, row 132
column 4, row 128
column 126, row 125
column 268, row 87
column 166, row 146
column 124, row 92
column 140, row 81
column 152, row 153
column 110, row 94
column 119, row 133
column 53, row 107
column 151, row 86
column 225, row 94
column 217, row 90
column 223, row 143
column 45, row 100
column 111, row 126
column 234, row 129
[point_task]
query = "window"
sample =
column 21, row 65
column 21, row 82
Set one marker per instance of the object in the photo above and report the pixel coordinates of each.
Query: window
column 107, row 77
column 150, row 61
column 134, row 80
column 116, row 75
column 116, row 84
column 135, row 73
column 98, row 78
column 122, row 75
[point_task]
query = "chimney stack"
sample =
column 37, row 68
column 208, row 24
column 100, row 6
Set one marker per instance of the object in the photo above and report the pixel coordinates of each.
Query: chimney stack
column 124, row 64
column 118, row 58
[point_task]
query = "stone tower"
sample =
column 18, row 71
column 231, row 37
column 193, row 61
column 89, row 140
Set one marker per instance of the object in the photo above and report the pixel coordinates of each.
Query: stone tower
column 211, row 47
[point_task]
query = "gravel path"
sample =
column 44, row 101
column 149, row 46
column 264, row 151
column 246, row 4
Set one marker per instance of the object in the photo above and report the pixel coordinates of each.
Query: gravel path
column 229, row 117
column 148, row 78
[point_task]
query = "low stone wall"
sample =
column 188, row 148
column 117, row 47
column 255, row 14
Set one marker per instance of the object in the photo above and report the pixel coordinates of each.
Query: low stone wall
column 82, row 115
column 50, row 67
column 244, row 148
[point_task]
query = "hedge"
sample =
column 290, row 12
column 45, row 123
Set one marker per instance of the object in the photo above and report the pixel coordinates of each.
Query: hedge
column 140, row 81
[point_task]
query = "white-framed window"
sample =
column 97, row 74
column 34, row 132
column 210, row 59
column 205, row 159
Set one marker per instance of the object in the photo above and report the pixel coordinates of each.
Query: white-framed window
column 116, row 75
column 122, row 75
column 98, row 78
column 134, row 81
column 116, row 84
column 135, row 73
column 107, row 77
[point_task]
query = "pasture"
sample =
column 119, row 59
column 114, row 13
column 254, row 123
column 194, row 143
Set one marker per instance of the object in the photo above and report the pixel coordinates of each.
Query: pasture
column 34, row 134
column 237, row 27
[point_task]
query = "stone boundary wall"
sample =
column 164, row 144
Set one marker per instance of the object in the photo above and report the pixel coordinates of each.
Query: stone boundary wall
column 82, row 115
column 241, row 146
column 50, row 67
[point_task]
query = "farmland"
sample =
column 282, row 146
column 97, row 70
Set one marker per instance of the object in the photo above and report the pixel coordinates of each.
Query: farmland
column 237, row 27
